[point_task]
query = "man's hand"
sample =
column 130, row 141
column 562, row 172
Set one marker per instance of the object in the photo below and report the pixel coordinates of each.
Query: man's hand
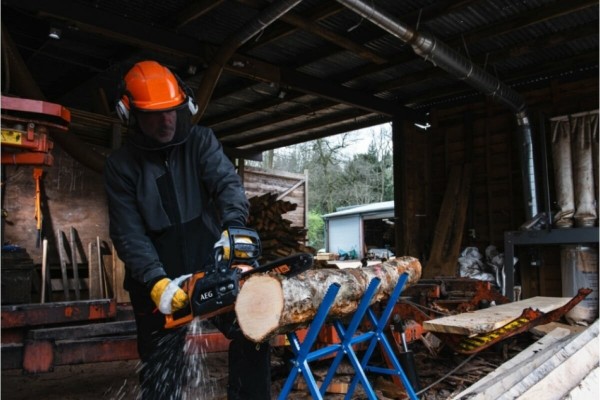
column 168, row 296
column 239, row 239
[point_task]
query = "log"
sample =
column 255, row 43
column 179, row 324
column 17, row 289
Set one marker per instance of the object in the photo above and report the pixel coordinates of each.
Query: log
column 269, row 304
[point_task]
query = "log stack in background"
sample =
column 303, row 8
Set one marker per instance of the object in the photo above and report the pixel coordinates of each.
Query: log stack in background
column 277, row 235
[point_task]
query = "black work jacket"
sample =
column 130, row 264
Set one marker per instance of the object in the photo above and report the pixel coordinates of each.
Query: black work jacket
column 167, row 207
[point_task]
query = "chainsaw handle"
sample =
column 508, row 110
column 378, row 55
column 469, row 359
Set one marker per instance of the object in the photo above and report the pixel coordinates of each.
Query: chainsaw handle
column 253, row 247
column 171, row 320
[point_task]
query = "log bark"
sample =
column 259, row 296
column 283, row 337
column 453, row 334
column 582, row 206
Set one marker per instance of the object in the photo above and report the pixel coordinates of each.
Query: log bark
column 270, row 304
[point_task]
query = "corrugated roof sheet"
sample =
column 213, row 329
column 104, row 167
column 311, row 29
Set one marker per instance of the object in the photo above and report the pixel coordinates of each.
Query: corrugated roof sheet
column 362, row 209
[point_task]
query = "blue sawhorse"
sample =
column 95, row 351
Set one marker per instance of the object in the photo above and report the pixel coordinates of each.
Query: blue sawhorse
column 348, row 338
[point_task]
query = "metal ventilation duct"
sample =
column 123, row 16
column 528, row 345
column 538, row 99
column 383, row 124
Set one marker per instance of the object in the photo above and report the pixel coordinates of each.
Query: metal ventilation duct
column 441, row 55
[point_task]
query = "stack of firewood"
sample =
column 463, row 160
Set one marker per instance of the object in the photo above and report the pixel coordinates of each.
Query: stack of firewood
column 277, row 235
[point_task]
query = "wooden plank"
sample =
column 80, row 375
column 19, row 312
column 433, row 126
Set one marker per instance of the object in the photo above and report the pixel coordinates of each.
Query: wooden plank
column 587, row 388
column 44, row 270
column 93, row 272
column 488, row 319
column 120, row 294
column 100, row 272
column 63, row 264
column 335, row 387
column 83, row 331
column 547, row 328
column 566, row 375
column 74, row 264
column 542, row 368
column 548, row 340
column 56, row 285
column 447, row 239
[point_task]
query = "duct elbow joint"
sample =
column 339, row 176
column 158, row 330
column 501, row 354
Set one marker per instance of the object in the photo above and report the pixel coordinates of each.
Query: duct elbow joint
column 423, row 44
column 523, row 117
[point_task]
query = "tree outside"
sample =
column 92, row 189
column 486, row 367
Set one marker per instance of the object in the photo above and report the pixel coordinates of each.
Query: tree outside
column 344, row 170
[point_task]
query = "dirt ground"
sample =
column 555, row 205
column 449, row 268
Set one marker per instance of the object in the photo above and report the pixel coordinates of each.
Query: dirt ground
column 118, row 380
column 111, row 380
column 100, row 381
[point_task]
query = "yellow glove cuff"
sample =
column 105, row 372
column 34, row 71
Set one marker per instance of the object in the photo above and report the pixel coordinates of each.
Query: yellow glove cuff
column 167, row 296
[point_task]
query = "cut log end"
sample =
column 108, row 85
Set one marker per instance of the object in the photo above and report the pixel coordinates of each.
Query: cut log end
column 258, row 307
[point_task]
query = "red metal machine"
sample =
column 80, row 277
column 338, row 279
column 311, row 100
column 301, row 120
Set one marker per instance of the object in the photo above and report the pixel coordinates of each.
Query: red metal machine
column 26, row 125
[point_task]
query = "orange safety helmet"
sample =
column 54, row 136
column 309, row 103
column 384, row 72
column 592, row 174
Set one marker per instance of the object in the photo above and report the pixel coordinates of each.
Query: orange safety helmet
column 149, row 86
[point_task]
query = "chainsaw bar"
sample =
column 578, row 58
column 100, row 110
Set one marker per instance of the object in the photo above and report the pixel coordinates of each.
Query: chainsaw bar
column 288, row 266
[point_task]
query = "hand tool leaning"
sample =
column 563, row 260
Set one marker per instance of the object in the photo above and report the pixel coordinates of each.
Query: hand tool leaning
column 213, row 290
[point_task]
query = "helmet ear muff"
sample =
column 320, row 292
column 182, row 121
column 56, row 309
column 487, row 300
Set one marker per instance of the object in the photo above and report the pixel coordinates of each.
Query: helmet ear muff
column 122, row 111
column 120, row 107
column 189, row 94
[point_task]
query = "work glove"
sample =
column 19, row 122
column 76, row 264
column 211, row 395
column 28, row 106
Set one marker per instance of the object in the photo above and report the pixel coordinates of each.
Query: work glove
column 239, row 239
column 168, row 296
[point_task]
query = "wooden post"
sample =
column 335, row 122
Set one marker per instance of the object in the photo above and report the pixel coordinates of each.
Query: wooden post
column 74, row 263
column 445, row 249
column 63, row 264
column 44, row 270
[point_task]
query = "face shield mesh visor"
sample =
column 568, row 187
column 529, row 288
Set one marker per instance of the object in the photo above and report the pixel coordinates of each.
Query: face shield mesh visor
column 182, row 130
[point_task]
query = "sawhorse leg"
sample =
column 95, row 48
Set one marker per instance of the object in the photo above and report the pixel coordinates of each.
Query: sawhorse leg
column 302, row 352
column 380, row 338
column 348, row 340
column 303, row 355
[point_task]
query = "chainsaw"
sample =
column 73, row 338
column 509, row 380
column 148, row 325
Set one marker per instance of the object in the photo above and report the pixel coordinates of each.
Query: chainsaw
column 213, row 290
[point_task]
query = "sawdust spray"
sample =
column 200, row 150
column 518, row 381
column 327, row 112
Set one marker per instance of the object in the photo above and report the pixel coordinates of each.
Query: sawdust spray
column 191, row 373
column 200, row 385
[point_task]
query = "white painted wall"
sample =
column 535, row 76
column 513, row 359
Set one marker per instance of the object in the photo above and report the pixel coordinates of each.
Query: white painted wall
column 344, row 233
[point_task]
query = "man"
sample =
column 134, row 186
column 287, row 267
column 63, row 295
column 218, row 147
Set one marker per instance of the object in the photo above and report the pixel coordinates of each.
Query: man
column 171, row 192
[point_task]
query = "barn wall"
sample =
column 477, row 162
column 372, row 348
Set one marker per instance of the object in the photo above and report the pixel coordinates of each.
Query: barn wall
column 344, row 235
column 484, row 134
column 289, row 186
column 73, row 196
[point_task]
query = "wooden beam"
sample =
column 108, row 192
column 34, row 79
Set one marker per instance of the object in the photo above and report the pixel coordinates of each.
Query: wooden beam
column 278, row 117
column 287, row 140
column 242, row 65
column 488, row 31
column 275, row 33
column 195, row 10
column 432, row 73
column 461, row 90
column 546, row 42
column 120, row 29
column 247, row 138
column 334, row 38
column 522, row 21
column 310, row 24
column 415, row 17
column 260, row 107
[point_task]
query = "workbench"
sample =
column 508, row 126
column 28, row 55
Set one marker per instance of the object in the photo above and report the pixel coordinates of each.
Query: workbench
column 540, row 238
